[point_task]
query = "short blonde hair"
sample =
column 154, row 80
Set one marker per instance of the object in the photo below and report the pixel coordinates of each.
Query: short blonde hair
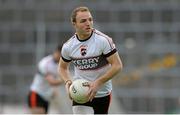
column 78, row 9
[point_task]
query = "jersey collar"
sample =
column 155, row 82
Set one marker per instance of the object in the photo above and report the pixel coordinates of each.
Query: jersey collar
column 85, row 39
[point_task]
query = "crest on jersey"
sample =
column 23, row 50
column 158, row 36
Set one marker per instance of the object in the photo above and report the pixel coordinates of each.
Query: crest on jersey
column 83, row 49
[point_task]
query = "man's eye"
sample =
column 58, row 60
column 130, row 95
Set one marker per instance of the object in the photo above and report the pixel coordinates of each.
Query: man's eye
column 82, row 21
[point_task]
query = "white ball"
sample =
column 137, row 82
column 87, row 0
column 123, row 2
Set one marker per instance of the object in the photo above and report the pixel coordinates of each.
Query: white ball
column 79, row 90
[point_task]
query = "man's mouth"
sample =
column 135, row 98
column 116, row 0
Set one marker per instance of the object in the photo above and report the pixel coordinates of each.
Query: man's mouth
column 88, row 29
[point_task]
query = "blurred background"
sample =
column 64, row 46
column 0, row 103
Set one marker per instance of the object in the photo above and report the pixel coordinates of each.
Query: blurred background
column 146, row 34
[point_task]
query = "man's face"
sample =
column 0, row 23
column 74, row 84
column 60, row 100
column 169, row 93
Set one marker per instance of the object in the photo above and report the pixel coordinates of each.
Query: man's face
column 84, row 23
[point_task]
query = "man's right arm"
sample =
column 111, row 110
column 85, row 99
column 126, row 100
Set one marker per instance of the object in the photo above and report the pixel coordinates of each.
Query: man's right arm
column 64, row 70
column 65, row 74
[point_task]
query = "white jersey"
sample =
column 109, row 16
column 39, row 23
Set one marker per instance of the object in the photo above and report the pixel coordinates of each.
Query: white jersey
column 89, row 57
column 40, row 84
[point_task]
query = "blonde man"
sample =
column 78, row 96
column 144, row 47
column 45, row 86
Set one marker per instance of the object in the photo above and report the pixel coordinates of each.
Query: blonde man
column 95, row 59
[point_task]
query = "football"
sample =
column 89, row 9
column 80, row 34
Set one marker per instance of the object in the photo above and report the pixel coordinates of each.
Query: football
column 79, row 91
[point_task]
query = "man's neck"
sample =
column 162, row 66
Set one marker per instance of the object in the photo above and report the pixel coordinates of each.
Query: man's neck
column 84, row 36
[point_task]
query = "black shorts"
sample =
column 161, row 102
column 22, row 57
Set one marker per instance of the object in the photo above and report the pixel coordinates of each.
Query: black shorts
column 100, row 105
column 35, row 100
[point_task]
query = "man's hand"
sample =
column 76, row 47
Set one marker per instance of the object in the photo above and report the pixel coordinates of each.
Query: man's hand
column 67, row 85
column 93, row 88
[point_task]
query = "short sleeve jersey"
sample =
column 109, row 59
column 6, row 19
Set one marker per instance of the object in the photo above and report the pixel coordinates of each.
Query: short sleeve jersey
column 40, row 85
column 89, row 57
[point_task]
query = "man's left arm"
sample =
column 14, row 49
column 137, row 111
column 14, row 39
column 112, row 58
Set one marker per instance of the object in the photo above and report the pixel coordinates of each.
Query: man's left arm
column 116, row 66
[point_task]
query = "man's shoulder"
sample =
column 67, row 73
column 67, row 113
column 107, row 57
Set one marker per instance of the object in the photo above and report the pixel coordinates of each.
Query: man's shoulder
column 100, row 34
column 70, row 40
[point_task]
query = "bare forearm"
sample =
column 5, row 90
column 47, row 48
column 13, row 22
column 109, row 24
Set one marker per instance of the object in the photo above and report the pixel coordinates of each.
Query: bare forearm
column 64, row 70
column 116, row 66
column 65, row 74
column 109, row 74
column 94, row 86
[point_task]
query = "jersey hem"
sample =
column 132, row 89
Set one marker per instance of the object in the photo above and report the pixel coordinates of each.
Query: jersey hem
column 66, row 60
column 110, row 53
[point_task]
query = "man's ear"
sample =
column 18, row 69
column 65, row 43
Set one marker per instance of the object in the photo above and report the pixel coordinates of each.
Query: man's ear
column 73, row 23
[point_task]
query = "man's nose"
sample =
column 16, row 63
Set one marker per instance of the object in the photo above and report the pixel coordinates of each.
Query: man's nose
column 88, row 22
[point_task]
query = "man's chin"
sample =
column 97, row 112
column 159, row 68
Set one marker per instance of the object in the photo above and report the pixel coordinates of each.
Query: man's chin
column 88, row 32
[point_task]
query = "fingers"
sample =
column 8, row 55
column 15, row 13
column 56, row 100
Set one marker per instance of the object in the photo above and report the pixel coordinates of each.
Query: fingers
column 92, row 95
column 69, row 96
column 67, row 89
column 92, row 91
